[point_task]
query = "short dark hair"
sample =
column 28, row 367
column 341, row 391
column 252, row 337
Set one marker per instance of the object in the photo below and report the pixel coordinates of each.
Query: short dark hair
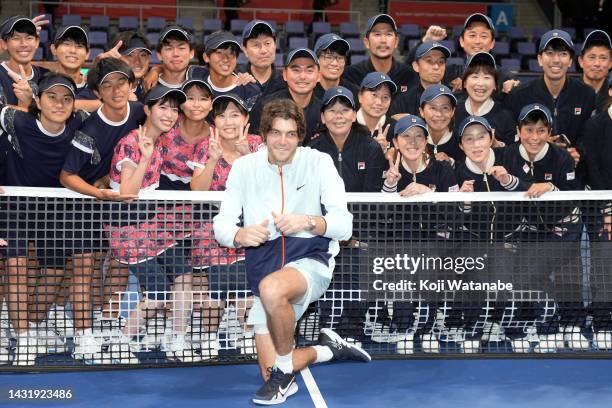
column 533, row 117
column 283, row 109
column 592, row 44
column 174, row 36
column 485, row 68
column 20, row 27
column 340, row 99
column 221, row 106
column 171, row 98
column 126, row 37
column 558, row 46
column 109, row 64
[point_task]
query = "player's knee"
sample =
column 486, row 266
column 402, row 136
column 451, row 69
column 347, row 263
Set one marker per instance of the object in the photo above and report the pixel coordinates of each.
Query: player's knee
column 270, row 291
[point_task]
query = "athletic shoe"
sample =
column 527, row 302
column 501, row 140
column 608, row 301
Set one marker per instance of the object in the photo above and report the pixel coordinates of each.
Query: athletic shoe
column 60, row 322
column 430, row 343
column 603, row 340
column 574, row 339
column 28, row 347
column 341, row 349
column 87, row 348
column 277, row 389
column 549, row 343
column 246, row 343
column 178, row 349
column 405, row 343
column 121, row 349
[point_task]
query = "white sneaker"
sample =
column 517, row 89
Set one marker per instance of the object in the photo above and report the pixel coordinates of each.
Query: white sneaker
column 60, row 321
column 87, row 348
column 603, row 340
column 470, row 346
column 28, row 348
column 430, row 343
column 550, row 343
column 246, row 343
column 523, row 344
column 574, row 338
column 405, row 343
column 121, row 349
column 48, row 339
column 155, row 331
column 493, row 332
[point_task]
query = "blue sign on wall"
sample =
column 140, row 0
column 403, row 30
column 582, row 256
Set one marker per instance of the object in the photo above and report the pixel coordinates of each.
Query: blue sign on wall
column 502, row 16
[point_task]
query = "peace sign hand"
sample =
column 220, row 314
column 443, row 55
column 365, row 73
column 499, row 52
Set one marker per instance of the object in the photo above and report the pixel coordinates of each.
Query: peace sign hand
column 145, row 143
column 393, row 174
column 113, row 52
column 21, row 87
column 214, row 145
column 242, row 144
column 381, row 137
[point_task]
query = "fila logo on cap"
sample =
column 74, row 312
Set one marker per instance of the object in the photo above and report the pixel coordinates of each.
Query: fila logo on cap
column 413, row 120
column 555, row 34
column 441, row 89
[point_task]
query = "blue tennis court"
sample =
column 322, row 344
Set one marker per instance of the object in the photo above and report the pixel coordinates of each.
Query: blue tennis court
column 382, row 383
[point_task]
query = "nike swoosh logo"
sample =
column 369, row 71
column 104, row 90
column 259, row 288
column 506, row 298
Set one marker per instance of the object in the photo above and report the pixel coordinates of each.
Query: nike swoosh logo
column 298, row 189
column 283, row 391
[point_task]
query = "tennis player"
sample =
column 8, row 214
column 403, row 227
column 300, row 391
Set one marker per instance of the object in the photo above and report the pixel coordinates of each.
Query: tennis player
column 294, row 211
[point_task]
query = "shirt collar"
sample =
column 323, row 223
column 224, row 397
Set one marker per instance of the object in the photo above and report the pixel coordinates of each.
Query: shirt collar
column 447, row 136
column 474, row 168
column 484, row 108
column 361, row 120
column 538, row 157
column 422, row 166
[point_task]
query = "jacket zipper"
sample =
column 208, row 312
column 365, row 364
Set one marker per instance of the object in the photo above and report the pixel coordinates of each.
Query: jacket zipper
column 280, row 173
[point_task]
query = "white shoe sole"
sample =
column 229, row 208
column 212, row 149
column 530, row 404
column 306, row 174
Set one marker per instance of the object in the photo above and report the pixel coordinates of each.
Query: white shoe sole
column 293, row 388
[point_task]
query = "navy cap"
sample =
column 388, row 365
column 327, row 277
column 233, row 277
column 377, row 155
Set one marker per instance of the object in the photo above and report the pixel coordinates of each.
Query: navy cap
column 301, row 52
column 198, row 81
column 481, row 58
column 381, row 18
column 597, row 37
column 49, row 81
column 373, row 79
column 479, row 17
column 327, row 40
column 429, row 46
column 555, row 35
column 247, row 32
column 407, row 122
column 535, row 107
column 134, row 44
column 232, row 97
column 434, row 91
column 219, row 38
column 338, row 92
column 75, row 31
column 159, row 91
column 471, row 120
column 176, row 30
column 9, row 24
column 106, row 69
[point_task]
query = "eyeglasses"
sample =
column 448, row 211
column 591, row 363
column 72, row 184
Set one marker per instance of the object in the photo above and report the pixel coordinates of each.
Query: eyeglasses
column 331, row 57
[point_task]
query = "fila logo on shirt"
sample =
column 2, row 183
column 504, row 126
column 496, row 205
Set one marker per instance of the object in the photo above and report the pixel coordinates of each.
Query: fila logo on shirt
column 547, row 176
column 360, row 165
column 578, row 111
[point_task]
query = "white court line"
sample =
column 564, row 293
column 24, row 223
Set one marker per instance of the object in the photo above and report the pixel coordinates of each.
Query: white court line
column 313, row 389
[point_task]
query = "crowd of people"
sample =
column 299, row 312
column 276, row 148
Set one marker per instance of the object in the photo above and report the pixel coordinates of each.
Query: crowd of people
column 382, row 125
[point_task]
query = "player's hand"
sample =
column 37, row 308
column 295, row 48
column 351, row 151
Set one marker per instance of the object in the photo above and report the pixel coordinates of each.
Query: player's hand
column 133, row 97
column 145, row 143
column 39, row 22
column 467, row 186
column 558, row 141
column 456, row 85
column 393, row 174
column 538, row 189
column 575, row 154
column 242, row 144
column 381, row 137
column 150, row 79
column 434, row 33
column 415, row 188
column 252, row 236
column 113, row 52
column 102, row 182
column 21, row 87
column 500, row 174
column 509, row 84
column 289, row 224
column 214, row 145
column 441, row 156
column 111, row 195
column 244, row 78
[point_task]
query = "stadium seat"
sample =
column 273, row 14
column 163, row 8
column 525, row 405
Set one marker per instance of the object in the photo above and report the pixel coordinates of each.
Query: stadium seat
column 451, row 45
column 537, row 32
column 410, row 30
column 155, row 24
column 526, row 49
column 413, row 43
column 297, row 42
column 187, row 23
column 100, row 23
column 71, row 20
column 501, row 49
column 571, row 31
column 357, row 46
column 357, row 58
column 319, row 28
column 511, row 64
column 94, row 52
column 279, row 61
column 349, row 30
column 39, row 54
column 294, row 29
column 211, row 25
column 152, row 38
column 242, row 60
column 533, row 65
column 515, row 34
column 98, row 39
column 237, row 25
column 154, row 59
column 127, row 23
column 577, row 48
column 44, row 37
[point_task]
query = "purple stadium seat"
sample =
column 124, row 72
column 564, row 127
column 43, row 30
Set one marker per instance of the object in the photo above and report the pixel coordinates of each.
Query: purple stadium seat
column 94, row 52
column 98, row 39
column 242, row 59
column 413, row 43
column 294, row 29
column 516, row 34
column 186, row 22
column 526, row 49
column 44, row 37
column 155, row 24
column 349, row 30
column 152, row 38
column 455, row 61
column 537, row 32
column 357, row 46
column 451, row 45
column 410, row 30
column 279, row 60
column 319, row 28
column 237, row 25
column 534, row 66
column 571, row 31
column 212, row 25
column 577, row 48
column 71, row 20
column 154, row 59
column 501, row 48
column 127, row 23
column 297, row 42
column 100, row 23
column 39, row 54
column 511, row 64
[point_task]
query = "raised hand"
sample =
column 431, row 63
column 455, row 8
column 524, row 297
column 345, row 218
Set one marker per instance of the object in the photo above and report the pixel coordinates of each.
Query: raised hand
column 21, row 86
column 467, row 186
column 253, row 235
column 381, row 137
column 145, row 143
column 242, row 144
column 393, row 174
column 113, row 52
column 39, row 22
column 435, row 33
column 214, row 145
column 289, row 224
column 244, row 78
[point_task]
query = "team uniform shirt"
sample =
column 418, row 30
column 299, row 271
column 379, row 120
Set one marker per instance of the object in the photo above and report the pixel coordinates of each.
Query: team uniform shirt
column 598, row 150
column 420, row 221
column 408, row 102
column 136, row 240
column 92, row 147
column 177, row 159
column 360, row 162
column 206, row 250
column 488, row 219
column 402, row 74
column 312, row 113
column 601, row 96
column 448, row 144
column 309, row 184
column 84, row 92
column 384, row 121
column 249, row 93
column 500, row 118
column 7, row 97
column 274, row 84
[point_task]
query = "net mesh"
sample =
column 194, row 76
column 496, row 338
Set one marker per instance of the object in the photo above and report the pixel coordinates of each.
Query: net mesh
column 86, row 282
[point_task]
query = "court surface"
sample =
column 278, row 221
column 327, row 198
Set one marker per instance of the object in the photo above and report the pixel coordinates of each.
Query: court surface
column 382, row 383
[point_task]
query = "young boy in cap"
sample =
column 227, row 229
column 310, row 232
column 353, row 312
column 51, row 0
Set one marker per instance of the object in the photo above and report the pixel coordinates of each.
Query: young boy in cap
column 333, row 53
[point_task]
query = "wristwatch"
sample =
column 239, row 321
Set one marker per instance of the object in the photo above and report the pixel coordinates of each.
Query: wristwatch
column 312, row 223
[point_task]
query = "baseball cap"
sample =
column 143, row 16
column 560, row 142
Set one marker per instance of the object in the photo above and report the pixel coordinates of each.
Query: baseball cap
column 159, row 91
column 481, row 58
column 301, row 52
column 247, row 32
column 198, row 81
column 74, row 31
column 479, row 17
column 338, row 92
column 471, row 120
column 596, row 37
column 327, row 40
column 9, row 24
column 535, row 107
column 48, row 81
column 373, row 79
column 380, row 18
column 232, row 97
column 434, row 91
column 407, row 122
column 219, row 38
column 134, row 44
column 429, row 46
column 553, row 35
column 176, row 30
